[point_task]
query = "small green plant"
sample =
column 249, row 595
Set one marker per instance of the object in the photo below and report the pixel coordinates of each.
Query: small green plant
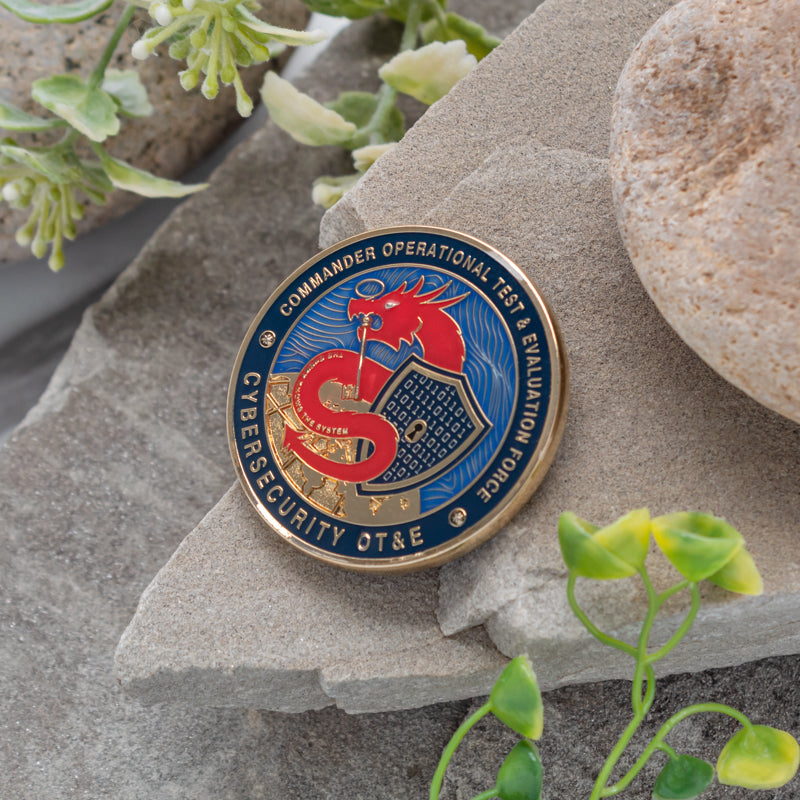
column 214, row 38
column 54, row 182
column 700, row 547
column 437, row 48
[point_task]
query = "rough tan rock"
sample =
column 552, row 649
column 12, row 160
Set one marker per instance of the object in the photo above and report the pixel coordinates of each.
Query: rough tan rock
column 705, row 168
column 183, row 128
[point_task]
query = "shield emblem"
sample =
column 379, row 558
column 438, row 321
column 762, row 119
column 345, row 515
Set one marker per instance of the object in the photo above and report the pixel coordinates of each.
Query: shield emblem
column 438, row 421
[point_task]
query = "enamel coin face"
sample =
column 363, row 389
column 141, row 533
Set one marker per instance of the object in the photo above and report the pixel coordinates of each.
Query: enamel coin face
column 397, row 399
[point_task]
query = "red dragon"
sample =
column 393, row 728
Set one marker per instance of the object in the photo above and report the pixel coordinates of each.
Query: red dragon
column 401, row 315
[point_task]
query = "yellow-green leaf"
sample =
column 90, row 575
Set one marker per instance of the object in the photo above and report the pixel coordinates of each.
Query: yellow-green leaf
column 740, row 575
column 55, row 12
column 759, row 758
column 126, row 87
column 328, row 190
column 429, row 72
column 15, row 119
column 628, row 538
column 697, row 545
column 302, row 117
column 616, row 551
column 127, row 177
column 57, row 165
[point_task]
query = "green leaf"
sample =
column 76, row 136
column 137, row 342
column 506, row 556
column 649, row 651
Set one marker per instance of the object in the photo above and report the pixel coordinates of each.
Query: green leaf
column 358, row 108
column 398, row 9
column 616, row 551
column 628, row 538
column 516, row 701
column 275, row 33
column 57, row 165
column 759, row 758
column 683, row 778
column 520, row 776
column 91, row 111
column 302, row 117
column 124, row 176
column 740, row 575
column 15, row 119
column 329, row 189
column 126, row 87
column 478, row 40
column 429, row 72
column 698, row 545
column 352, row 9
column 68, row 12
column 95, row 175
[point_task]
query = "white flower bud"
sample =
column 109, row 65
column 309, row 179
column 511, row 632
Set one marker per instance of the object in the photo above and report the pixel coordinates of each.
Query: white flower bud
column 11, row 193
column 189, row 4
column 140, row 50
column 430, row 72
column 161, row 13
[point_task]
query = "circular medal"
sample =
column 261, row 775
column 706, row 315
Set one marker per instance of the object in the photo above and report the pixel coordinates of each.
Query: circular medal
column 397, row 399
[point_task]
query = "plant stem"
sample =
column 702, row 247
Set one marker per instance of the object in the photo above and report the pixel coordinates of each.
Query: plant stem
column 447, row 753
column 684, row 627
column 599, row 790
column 488, row 795
column 665, row 748
column 643, row 700
column 384, row 106
column 387, row 95
column 439, row 13
column 665, row 595
column 644, row 639
column 98, row 73
column 617, row 644
column 658, row 744
column 411, row 28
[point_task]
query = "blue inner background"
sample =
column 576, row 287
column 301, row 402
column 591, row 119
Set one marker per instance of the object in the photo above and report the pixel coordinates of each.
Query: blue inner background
column 490, row 365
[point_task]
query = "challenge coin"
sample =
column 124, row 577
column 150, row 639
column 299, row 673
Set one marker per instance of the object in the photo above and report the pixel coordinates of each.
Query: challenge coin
column 397, row 399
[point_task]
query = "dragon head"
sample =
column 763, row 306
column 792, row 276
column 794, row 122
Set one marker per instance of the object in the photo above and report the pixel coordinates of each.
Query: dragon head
column 398, row 316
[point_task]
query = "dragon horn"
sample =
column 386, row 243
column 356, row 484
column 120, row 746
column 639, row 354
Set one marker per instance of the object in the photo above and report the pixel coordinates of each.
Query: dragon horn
column 432, row 295
column 414, row 291
column 451, row 301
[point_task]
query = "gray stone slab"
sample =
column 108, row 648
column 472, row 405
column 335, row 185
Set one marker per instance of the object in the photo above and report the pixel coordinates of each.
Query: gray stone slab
column 367, row 644
column 649, row 423
column 124, row 454
column 646, row 419
column 243, row 619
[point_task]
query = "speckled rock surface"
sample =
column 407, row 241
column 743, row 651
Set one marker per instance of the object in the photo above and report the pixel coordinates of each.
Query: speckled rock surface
column 646, row 419
column 705, row 163
column 234, row 616
column 122, row 456
column 182, row 129
column 649, row 423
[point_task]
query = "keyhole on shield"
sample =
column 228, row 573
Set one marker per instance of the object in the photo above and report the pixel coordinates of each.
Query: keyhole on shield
column 416, row 430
